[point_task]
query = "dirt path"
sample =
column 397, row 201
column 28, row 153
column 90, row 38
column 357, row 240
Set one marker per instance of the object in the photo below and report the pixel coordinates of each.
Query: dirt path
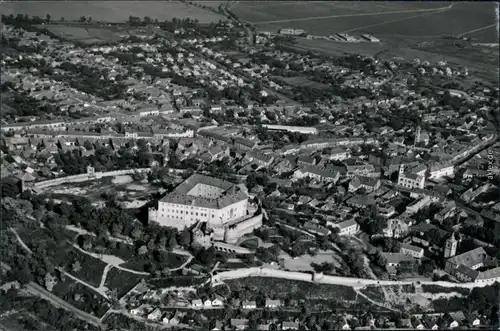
column 353, row 15
column 110, row 260
column 23, row 245
column 37, row 290
column 76, row 279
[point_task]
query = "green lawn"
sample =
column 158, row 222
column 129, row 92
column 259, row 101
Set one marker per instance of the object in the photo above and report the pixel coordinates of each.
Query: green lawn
column 91, row 268
column 122, row 281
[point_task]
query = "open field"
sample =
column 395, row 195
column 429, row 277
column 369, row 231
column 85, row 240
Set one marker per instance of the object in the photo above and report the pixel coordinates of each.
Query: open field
column 109, row 11
column 483, row 64
column 303, row 81
column 84, row 33
column 268, row 11
column 383, row 19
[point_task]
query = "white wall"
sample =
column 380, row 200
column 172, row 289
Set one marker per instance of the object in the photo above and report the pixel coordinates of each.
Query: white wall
column 85, row 177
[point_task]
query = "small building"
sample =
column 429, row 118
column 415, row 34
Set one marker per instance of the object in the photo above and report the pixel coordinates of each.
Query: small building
column 197, row 303
column 155, row 315
column 411, row 250
column 289, row 325
column 239, row 323
column 249, row 305
column 272, row 304
column 348, row 228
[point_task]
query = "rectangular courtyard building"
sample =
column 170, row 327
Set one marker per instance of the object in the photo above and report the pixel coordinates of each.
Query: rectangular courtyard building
column 201, row 199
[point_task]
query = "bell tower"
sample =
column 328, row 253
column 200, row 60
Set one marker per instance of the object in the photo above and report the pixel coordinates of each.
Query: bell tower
column 450, row 249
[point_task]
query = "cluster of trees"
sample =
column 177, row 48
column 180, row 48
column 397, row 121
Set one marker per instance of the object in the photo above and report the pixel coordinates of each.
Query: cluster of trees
column 481, row 299
column 22, row 104
column 44, row 311
column 91, row 80
column 104, row 159
column 279, row 137
column 174, row 24
column 485, row 234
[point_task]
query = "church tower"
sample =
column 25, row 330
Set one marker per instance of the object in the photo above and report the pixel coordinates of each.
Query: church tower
column 450, row 249
column 417, row 134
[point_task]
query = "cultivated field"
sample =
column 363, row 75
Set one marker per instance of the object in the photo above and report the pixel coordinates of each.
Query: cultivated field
column 383, row 19
column 84, row 33
column 269, row 11
column 109, row 11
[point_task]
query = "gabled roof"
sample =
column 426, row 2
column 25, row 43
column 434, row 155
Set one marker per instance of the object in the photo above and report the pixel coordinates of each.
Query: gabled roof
column 470, row 258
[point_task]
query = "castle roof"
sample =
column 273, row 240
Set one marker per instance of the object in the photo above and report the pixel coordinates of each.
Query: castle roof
column 231, row 193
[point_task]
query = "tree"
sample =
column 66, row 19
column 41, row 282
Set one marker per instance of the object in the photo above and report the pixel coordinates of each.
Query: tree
column 172, row 243
column 47, row 18
column 137, row 233
column 142, row 250
column 185, row 237
column 82, row 19
column 76, row 266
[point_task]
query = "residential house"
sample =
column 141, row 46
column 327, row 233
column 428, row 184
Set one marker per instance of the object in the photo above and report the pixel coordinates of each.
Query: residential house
column 338, row 154
column 197, row 303
column 216, row 326
column 320, row 174
column 316, row 229
column 218, row 301
column 239, row 323
column 207, row 303
column 262, row 159
column 155, row 315
column 410, row 250
column 367, row 183
column 417, row 324
column 306, row 160
column 473, row 319
column 272, row 304
column 396, row 228
column 348, row 228
column 284, row 165
column 429, row 323
column 358, row 168
column 394, row 259
column 248, row 305
column 361, row 201
column 245, row 144
column 140, row 311
column 285, row 325
column 448, row 322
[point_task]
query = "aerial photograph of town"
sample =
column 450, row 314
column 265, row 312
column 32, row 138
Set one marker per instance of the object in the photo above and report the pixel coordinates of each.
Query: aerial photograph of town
column 249, row 165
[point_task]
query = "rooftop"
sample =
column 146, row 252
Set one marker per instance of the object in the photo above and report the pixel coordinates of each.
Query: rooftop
column 223, row 193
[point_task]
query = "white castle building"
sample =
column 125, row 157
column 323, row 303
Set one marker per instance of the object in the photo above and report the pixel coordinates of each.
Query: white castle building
column 221, row 205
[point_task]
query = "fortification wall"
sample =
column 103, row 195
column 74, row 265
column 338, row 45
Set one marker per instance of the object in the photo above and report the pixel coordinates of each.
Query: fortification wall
column 334, row 280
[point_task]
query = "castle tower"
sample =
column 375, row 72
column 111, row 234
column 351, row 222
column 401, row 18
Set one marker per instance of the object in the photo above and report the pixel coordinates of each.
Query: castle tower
column 450, row 249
